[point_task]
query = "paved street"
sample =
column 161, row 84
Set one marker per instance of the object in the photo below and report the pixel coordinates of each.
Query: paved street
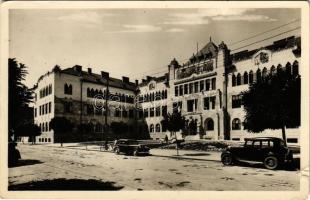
column 162, row 171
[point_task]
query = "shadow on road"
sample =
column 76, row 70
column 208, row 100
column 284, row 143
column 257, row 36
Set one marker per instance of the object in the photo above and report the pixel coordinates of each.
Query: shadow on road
column 196, row 154
column 294, row 166
column 25, row 163
column 66, row 184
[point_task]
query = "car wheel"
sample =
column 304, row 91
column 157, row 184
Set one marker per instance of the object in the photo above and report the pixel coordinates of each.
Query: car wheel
column 271, row 162
column 227, row 159
column 117, row 151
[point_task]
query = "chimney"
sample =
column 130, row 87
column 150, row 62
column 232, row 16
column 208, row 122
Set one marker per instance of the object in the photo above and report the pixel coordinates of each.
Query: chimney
column 104, row 75
column 77, row 68
column 89, row 70
column 137, row 82
column 125, row 79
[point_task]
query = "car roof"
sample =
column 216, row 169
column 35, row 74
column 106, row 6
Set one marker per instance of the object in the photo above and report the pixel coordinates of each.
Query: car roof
column 263, row 138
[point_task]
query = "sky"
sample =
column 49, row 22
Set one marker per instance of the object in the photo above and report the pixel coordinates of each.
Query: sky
column 134, row 42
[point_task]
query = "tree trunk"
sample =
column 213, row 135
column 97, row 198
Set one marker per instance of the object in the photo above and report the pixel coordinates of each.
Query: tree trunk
column 283, row 134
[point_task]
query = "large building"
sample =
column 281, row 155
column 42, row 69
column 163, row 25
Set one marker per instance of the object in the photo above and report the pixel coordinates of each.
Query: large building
column 206, row 89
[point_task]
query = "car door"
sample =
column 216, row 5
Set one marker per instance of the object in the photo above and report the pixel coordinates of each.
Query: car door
column 256, row 151
column 242, row 153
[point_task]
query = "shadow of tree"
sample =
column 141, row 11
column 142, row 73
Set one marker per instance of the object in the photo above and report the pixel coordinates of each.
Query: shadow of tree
column 25, row 163
column 66, row 184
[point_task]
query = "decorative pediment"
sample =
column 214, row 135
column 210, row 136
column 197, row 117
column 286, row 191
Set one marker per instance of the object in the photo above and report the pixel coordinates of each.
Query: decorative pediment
column 261, row 57
column 152, row 85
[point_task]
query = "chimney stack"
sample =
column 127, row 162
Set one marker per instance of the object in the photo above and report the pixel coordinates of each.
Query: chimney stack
column 89, row 70
column 77, row 68
column 104, row 75
column 137, row 82
column 125, row 79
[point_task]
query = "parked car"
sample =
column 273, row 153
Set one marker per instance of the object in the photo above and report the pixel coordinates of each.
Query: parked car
column 130, row 147
column 271, row 151
column 14, row 154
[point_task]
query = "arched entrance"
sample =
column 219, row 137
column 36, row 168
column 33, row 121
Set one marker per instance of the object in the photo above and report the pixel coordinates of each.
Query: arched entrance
column 208, row 125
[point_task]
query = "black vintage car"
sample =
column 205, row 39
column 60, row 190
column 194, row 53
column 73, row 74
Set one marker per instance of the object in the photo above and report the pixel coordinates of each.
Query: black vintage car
column 130, row 147
column 271, row 151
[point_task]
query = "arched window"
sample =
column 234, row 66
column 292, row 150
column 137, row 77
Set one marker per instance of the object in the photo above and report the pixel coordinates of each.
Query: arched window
column 151, row 128
column 92, row 93
column 245, row 78
column 50, row 89
column 88, row 92
column 288, row 68
column 233, row 80
column 264, row 72
column 238, row 79
column 279, row 68
column 273, row 70
column 236, row 124
column 251, row 77
column 258, row 75
column 295, row 68
column 209, row 124
column 157, row 127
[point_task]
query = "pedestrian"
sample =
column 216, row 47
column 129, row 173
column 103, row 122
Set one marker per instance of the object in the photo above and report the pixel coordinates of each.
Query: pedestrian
column 166, row 139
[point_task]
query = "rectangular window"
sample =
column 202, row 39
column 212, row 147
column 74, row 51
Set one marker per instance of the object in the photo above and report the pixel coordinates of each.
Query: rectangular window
column 176, row 91
column 181, row 90
column 196, row 87
column 40, row 111
column 236, row 101
column 192, row 105
column 201, row 86
column 151, row 112
column 164, row 110
column 146, row 112
column 157, row 111
column 292, row 140
column 35, row 112
column 49, row 107
column 206, row 103
column 207, row 84
column 43, row 109
column 213, row 83
column 212, row 100
column 46, row 108
column 190, row 88
column 186, row 89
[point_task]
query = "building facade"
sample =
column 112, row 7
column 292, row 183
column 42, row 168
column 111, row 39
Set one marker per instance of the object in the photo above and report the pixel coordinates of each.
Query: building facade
column 206, row 89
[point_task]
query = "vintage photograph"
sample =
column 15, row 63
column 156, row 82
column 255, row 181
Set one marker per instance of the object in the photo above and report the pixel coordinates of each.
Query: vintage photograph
column 155, row 99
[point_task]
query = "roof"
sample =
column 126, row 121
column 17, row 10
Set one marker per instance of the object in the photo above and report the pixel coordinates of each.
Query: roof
column 285, row 43
column 156, row 79
column 96, row 78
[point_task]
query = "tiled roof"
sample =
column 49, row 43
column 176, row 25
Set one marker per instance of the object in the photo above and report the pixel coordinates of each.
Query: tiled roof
column 96, row 78
column 276, row 46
